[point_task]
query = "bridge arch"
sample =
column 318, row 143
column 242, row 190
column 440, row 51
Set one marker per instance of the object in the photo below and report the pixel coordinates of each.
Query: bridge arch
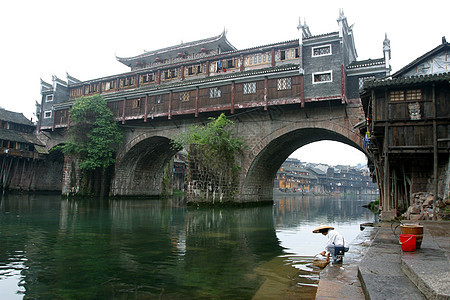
column 268, row 154
column 139, row 169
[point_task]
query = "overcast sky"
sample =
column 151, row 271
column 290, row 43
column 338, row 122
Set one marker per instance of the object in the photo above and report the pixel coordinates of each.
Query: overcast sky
column 41, row 38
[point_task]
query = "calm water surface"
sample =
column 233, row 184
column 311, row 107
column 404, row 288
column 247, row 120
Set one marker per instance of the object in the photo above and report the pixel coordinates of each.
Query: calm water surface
column 54, row 248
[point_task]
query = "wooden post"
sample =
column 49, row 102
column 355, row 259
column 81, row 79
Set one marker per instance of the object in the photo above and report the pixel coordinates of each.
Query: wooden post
column 273, row 58
column 435, row 154
column 232, row 96
column 266, row 90
column 145, row 108
column 170, row 105
column 124, row 108
column 344, row 96
column 196, row 101
column 241, row 68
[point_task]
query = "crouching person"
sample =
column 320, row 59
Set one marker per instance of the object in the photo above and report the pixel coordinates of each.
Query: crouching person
column 336, row 244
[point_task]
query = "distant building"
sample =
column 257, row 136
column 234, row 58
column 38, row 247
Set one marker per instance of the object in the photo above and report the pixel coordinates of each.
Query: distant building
column 293, row 176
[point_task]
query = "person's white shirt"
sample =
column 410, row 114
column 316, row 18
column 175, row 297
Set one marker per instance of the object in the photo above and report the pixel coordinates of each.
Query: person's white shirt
column 335, row 239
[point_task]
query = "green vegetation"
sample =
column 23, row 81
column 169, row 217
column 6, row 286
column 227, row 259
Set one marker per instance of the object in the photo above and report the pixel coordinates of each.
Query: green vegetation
column 374, row 206
column 216, row 136
column 93, row 138
column 93, row 133
column 212, row 151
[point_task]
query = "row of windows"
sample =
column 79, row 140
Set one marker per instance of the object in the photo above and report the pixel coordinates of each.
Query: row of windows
column 15, row 145
column 250, row 60
column 408, row 95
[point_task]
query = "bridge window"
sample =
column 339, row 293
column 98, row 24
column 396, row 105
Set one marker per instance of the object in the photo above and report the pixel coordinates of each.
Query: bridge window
column 284, row 84
column 108, row 85
column 321, row 50
column 322, row 77
column 184, row 96
column 128, row 81
column 47, row 114
column 147, row 77
column 76, row 92
column 136, row 103
column 215, row 92
column 249, row 88
column 93, row 88
column 49, row 98
column 159, row 99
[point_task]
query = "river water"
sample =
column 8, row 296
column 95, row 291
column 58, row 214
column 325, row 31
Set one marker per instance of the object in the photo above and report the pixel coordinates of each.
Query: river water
column 55, row 248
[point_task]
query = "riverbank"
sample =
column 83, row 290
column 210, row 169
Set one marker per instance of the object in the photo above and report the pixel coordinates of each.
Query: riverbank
column 382, row 270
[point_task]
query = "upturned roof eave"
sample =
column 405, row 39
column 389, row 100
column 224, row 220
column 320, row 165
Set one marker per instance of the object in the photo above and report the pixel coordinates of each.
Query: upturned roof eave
column 179, row 47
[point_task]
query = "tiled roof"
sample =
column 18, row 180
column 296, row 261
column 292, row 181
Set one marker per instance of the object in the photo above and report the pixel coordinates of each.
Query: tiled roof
column 13, row 117
column 17, row 136
column 179, row 47
column 366, row 63
column 407, row 80
column 11, row 135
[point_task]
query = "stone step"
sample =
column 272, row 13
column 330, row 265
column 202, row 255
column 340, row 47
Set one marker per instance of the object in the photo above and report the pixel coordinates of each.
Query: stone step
column 428, row 268
column 380, row 270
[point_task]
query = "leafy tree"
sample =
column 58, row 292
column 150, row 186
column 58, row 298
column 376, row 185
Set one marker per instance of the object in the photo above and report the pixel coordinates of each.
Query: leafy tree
column 212, row 153
column 93, row 133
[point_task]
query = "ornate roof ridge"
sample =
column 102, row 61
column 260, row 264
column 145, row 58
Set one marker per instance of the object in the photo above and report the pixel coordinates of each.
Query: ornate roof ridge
column 366, row 63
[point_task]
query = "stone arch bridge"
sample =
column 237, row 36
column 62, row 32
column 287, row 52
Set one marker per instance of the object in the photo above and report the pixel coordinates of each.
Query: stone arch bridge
column 271, row 135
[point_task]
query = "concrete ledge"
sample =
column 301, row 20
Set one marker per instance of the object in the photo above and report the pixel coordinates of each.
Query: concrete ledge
column 428, row 268
column 380, row 270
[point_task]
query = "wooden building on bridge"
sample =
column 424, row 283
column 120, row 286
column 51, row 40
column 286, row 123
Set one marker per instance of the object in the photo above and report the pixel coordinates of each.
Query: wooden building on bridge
column 211, row 75
column 408, row 120
column 196, row 80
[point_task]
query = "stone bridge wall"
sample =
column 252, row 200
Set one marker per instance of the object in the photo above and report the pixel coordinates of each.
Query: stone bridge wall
column 271, row 136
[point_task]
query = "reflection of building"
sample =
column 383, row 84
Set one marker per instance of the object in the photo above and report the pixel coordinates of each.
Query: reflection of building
column 408, row 121
column 293, row 176
column 179, row 170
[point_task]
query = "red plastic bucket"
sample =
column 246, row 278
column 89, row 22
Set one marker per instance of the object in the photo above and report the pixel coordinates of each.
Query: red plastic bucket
column 408, row 242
